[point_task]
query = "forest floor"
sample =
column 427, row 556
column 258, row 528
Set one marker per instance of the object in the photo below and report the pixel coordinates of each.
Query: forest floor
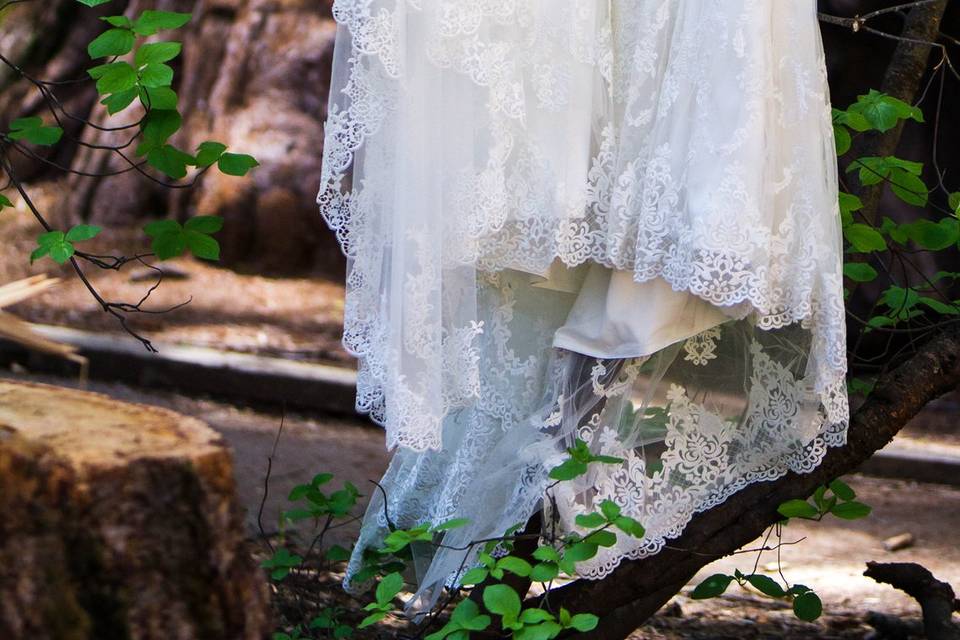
column 300, row 318
column 830, row 559
column 292, row 317
column 297, row 318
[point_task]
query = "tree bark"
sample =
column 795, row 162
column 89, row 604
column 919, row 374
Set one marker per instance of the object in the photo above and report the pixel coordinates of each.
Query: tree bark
column 254, row 75
column 936, row 598
column 119, row 522
column 638, row 588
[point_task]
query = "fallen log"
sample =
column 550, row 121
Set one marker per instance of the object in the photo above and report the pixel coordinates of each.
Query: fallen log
column 119, row 521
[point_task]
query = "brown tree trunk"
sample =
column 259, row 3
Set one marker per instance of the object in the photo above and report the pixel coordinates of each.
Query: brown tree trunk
column 119, row 522
column 254, row 74
column 901, row 80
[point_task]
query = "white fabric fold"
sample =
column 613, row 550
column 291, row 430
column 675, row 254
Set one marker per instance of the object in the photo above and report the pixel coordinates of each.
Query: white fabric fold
column 682, row 152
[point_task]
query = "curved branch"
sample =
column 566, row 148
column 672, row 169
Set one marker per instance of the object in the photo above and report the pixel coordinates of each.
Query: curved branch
column 638, row 588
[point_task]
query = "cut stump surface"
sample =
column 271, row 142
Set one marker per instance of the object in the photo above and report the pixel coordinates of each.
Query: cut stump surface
column 119, row 521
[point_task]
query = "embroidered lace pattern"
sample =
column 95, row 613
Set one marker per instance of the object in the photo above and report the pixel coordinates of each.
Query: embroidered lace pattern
column 470, row 143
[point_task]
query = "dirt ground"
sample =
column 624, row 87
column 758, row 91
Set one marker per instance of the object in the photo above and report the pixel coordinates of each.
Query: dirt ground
column 830, row 559
column 301, row 318
column 294, row 317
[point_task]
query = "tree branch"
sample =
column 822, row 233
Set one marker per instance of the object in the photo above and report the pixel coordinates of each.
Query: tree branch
column 902, row 80
column 638, row 588
column 936, row 598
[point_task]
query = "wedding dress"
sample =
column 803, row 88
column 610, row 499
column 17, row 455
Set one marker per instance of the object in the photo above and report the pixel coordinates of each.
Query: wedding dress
column 612, row 221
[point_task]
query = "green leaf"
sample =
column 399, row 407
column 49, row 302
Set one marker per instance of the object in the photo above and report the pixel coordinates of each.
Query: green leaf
column 842, row 490
column 607, row 459
column 55, row 245
column 474, row 576
column 115, row 78
column 502, row 600
column 766, row 585
column 298, row 492
column 544, row 631
column 602, row 538
column 534, row 616
column 630, row 526
column 568, row 470
column 913, row 168
column 933, row 236
column 170, row 160
column 797, row 509
column 34, row 131
column 859, row 272
column 235, row 164
column 117, row 102
column 544, row 572
column 213, row 224
column 849, row 203
column 160, row 227
column 5, row 202
column 207, row 224
column 159, row 98
column 610, row 509
column 516, row 566
column 388, row 588
column 950, row 309
column 455, row 523
column 590, row 520
column 372, row 619
column 864, row 238
column 901, row 301
column 38, row 253
column 851, row 510
column 336, row 553
column 909, row 187
column 954, row 203
column 883, row 111
column 466, row 610
column 871, row 170
column 156, row 75
column 712, row 587
column 209, row 152
column 157, row 52
column 546, row 553
column 584, row 622
column 818, row 497
column 842, row 139
column 150, row 22
column 580, row 551
column 852, row 119
column 168, row 240
column 114, row 21
column 112, row 42
column 807, row 606
column 83, row 232
column 862, row 386
column 280, row 563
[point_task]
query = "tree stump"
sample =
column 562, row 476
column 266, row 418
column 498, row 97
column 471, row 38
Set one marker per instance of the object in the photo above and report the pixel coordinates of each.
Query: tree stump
column 119, row 521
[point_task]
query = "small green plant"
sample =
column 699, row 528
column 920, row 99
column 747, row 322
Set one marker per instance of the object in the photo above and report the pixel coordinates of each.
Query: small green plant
column 806, row 604
column 837, row 499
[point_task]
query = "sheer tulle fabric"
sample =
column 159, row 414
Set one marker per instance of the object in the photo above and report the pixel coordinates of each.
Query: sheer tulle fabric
column 472, row 146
